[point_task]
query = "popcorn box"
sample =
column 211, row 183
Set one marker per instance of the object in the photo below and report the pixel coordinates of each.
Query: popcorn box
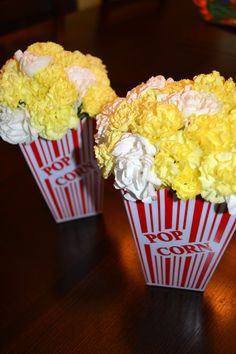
column 66, row 173
column 179, row 243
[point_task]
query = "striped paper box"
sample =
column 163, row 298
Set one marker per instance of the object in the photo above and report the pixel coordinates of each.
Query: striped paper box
column 66, row 172
column 179, row 242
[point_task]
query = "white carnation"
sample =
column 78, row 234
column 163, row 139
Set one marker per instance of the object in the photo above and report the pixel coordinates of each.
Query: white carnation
column 134, row 157
column 30, row 63
column 102, row 120
column 82, row 78
column 15, row 126
column 231, row 204
column 191, row 102
column 157, row 82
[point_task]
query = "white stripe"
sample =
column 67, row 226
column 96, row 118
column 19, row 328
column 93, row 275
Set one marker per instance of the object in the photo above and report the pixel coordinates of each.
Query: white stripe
column 181, row 213
column 189, row 268
column 198, row 259
column 208, row 226
column 148, row 219
column 200, row 269
column 155, row 216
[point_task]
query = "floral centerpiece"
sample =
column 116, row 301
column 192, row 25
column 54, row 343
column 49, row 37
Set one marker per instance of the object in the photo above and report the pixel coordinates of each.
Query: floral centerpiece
column 46, row 89
column 47, row 95
column 172, row 144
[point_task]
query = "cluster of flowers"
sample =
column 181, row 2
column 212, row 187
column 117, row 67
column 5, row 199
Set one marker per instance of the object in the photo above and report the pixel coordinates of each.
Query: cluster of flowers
column 172, row 134
column 46, row 89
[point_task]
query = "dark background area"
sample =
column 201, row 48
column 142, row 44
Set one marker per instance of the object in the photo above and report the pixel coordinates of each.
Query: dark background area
column 16, row 14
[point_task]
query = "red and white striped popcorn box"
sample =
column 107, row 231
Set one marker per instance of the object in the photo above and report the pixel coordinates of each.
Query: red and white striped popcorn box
column 66, row 172
column 179, row 243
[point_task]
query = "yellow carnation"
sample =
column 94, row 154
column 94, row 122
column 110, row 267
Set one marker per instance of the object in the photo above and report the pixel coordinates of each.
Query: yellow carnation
column 67, row 59
column 214, row 133
column 147, row 117
column 176, row 154
column 49, row 95
column 214, row 83
column 218, row 176
column 45, row 48
column 99, row 69
column 104, row 159
column 157, row 120
column 186, row 183
column 96, row 97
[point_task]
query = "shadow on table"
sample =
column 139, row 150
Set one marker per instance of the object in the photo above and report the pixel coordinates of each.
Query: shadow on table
column 168, row 321
column 82, row 244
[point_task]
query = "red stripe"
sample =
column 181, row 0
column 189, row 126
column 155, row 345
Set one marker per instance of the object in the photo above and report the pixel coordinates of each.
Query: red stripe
column 168, row 209
column 64, row 200
column 67, row 142
column 47, row 182
column 136, row 237
column 151, row 217
column 36, row 153
column 149, row 260
column 198, row 268
column 77, row 196
column 76, row 145
column 167, row 271
column 72, row 194
column 69, row 201
column 185, row 272
column 205, row 221
column 51, row 207
column 221, row 228
column 55, row 148
column 196, row 218
column 49, row 149
column 62, row 146
column 142, row 216
column 192, row 268
column 185, row 213
column 173, row 272
column 213, row 222
column 205, row 268
column 232, row 230
column 180, row 262
column 81, row 185
column 159, row 210
column 178, row 213
column 42, row 149
column 60, row 201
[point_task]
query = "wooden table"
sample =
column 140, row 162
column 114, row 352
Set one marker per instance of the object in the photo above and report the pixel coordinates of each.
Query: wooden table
column 77, row 287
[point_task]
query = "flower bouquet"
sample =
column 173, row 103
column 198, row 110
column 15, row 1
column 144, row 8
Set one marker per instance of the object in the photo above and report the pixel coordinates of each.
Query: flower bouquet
column 47, row 96
column 171, row 146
